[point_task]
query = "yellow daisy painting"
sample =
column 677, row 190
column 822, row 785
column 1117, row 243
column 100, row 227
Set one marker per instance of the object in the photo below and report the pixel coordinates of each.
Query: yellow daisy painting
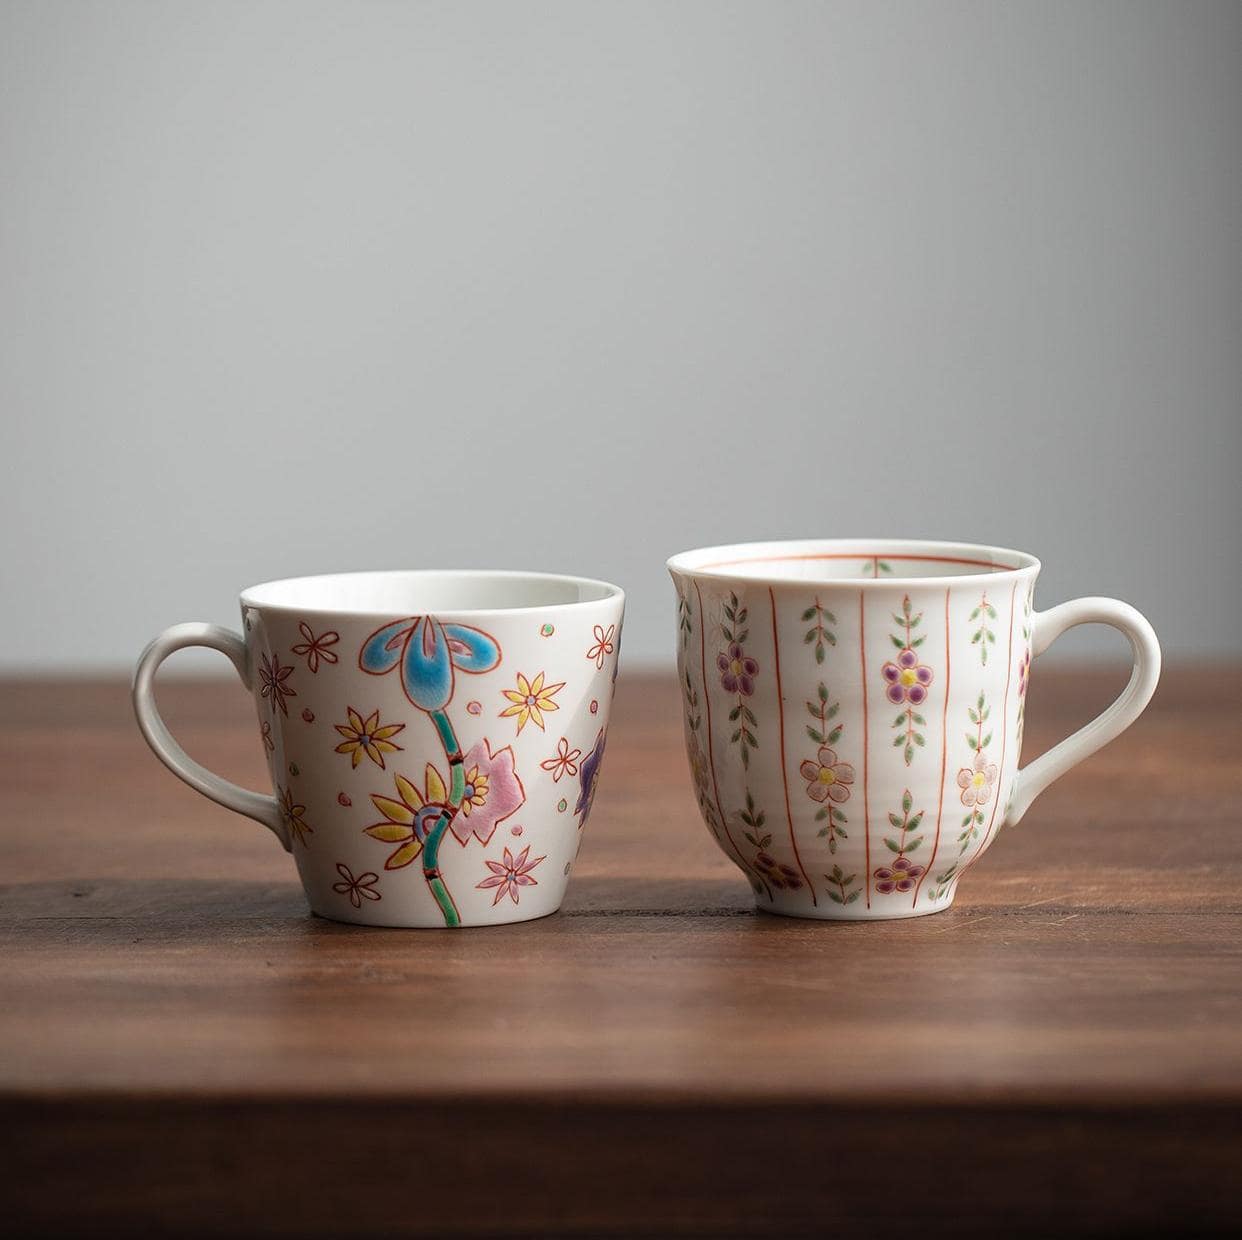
column 530, row 701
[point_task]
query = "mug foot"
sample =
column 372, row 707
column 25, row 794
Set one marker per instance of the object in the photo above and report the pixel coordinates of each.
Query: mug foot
column 399, row 921
column 885, row 908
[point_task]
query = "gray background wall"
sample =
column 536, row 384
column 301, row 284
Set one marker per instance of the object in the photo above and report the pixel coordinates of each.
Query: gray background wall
column 299, row 287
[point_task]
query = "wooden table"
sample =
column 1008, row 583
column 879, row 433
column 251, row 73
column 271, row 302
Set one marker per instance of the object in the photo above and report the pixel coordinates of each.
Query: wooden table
column 183, row 1048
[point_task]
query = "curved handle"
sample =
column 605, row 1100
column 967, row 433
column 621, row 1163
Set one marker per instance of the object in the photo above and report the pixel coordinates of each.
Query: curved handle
column 256, row 805
column 1049, row 625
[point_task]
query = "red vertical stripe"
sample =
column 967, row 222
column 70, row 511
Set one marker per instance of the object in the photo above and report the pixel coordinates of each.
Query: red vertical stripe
column 1004, row 740
column 780, row 714
column 944, row 756
column 711, row 757
column 862, row 644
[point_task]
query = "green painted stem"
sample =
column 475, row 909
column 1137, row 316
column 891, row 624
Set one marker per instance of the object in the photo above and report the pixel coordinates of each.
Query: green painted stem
column 431, row 855
column 431, row 849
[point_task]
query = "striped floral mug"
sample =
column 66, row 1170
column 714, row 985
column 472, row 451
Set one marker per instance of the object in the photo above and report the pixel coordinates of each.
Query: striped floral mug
column 854, row 712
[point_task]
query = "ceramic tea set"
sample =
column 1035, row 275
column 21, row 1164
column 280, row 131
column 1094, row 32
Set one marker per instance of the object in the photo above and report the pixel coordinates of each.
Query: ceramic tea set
column 853, row 719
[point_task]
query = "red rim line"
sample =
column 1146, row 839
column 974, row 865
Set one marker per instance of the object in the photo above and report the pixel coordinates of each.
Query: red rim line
column 960, row 561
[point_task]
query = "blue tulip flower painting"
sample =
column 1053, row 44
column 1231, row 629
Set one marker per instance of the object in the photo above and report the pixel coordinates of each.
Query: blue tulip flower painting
column 428, row 654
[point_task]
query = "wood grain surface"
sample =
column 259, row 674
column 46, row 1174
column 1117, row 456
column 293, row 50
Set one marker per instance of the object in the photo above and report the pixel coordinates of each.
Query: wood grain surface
column 184, row 1049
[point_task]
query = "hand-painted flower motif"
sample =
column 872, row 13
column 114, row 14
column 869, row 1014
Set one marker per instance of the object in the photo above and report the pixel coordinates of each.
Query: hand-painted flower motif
column 826, row 778
column 408, row 819
column 511, row 875
column 365, row 736
column 1024, row 672
column 493, row 792
column 563, row 762
column 273, row 678
column 976, row 781
column 604, row 645
column 588, row 774
column 265, row 731
column 357, row 889
column 901, row 876
column 428, row 652
column 828, row 781
column 772, row 872
column 291, row 815
column 313, row 649
column 737, row 670
column 530, row 700
column 907, row 679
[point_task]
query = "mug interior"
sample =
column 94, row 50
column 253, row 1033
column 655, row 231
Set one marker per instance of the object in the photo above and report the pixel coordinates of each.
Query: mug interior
column 876, row 559
column 418, row 592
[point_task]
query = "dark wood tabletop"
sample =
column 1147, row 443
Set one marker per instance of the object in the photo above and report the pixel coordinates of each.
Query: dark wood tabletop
column 183, row 1048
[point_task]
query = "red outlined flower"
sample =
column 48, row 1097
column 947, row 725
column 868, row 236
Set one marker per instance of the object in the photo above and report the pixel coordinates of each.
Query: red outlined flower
column 563, row 762
column 315, row 648
column 604, row 645
column 976, row 781
column 357, row 889
column 907, row 679
column 900, row 876
column 826, row 778
column 513, row 874
column 273, row 677
column 737, row 670
column 782, row 877
column 291, row 815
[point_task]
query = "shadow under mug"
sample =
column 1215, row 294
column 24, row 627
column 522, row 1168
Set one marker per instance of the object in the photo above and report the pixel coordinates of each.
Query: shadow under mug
column 434, row 739
column 854, row 712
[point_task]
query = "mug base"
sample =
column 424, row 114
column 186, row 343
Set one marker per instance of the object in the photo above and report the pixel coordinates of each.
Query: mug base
column 368, row 918
column 835, row 912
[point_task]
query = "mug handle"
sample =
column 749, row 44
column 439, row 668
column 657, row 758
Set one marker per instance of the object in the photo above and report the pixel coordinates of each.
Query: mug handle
column 256, row 805
column 1033, row 778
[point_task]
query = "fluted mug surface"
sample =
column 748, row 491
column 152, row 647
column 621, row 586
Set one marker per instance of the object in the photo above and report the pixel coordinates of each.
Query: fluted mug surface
column 854, row 712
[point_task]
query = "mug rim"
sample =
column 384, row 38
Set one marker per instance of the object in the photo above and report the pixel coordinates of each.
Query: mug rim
column 728, row 561
column 608, row 593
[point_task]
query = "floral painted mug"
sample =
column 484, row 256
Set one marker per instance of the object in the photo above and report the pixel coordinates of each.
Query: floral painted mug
column 434, row 738
column 854, row 712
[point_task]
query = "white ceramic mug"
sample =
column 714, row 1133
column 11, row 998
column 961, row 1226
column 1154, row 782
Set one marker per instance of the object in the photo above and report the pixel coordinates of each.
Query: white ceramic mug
column 434, row 738
column 854, row 712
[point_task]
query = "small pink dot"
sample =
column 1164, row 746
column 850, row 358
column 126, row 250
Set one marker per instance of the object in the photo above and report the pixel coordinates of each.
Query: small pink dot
column 594, row 707
column 474, row 708
column 516, row 830
column 343, row 799
column 308, row 715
